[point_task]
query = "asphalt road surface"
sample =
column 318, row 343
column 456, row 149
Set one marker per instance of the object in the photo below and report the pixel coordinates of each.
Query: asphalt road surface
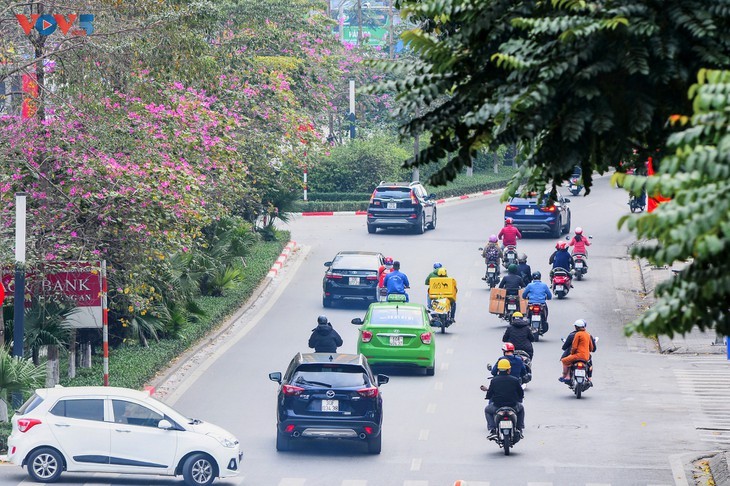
column 629, row 429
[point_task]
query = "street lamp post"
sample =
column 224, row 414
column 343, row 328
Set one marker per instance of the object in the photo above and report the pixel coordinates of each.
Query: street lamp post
column 19, row 304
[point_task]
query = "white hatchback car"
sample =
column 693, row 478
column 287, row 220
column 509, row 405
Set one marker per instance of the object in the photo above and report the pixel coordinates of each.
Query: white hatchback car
column 116, row 430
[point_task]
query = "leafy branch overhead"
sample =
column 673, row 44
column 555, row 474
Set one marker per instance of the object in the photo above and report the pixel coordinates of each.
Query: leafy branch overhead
column 695, row 224
column 570, row 82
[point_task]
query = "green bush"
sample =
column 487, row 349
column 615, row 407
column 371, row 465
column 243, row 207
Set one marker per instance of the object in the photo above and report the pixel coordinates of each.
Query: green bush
column 132, row 366
column 339, row 196
column 5, row 429
column 316, row 206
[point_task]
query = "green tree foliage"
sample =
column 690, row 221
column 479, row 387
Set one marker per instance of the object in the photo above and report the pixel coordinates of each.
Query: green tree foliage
column 695, row 224
column 359, row 165
column 572, row 82
column 18, row 374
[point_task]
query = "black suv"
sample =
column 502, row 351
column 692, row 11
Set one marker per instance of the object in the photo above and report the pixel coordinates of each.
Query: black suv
column 329, row 396
column 401, row 205
column 351, row 275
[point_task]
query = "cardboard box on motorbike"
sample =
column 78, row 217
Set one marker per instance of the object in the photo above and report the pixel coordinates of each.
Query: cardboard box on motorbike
column 497, row 300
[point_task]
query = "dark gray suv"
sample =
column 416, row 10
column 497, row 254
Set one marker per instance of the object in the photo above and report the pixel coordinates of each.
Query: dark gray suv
column 329, row 396
column 401, row 205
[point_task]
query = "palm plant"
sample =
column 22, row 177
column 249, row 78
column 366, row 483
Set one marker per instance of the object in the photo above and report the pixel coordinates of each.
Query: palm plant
column 17, row 375
column 46, row 324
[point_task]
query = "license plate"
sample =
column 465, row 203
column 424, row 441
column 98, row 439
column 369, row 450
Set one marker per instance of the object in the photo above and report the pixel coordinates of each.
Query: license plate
column 354, row 280
column 330, row 405
column 511, row 306
column 559, row 287
column 572, row 186
column 491, row 270
column 530, row 212
column 578, row 264
column 396, row 340
column 536, row 317
column 580, row 372
column 391, row 205
column 505, row 424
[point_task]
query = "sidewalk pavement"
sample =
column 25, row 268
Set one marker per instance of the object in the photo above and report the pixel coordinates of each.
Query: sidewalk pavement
column 694, row 342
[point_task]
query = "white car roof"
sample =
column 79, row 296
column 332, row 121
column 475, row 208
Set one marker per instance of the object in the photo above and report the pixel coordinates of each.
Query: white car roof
column 80, row 391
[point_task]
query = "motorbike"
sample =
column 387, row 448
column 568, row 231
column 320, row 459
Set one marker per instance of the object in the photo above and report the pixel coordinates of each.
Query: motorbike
column 579, row 375
column 528, row 366
column 561, row 282
column 507, row 435
column 580, row 265
column 492, row 275
column 511, row 305
column 382, row 294
column 510, row 256
column 575, row 185
column 637, row 204
column 440, row 312
column 535, row 316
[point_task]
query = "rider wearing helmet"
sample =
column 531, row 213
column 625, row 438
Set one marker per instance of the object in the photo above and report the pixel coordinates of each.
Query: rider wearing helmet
column 518, row 366
column 579, row 242
column 512, row 281
column 509, row 234
column 580, row 349
column 384, row 269
column 324, row 338
column 523, row 269
column 504, row 390
column 434, row 273
column 561, row 258
column 396, row 281
column 443, row 286
column 568, row 344
column 538, row 292
column 519, row 334
column 492, row 253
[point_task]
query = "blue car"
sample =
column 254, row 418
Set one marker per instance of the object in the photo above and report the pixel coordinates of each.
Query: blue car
column 537, row 214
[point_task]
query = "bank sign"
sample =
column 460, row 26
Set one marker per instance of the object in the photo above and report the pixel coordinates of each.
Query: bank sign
column 79, row 281
column 47, row 24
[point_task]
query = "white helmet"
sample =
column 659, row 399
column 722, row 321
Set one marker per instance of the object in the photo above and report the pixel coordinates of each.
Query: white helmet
column 580, row 323
column 578, row 230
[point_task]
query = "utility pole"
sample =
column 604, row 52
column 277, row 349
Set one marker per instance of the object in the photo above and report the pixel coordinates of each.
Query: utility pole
column 18, row 322
column 351, row 115
column 359, row 22
column 391, row 45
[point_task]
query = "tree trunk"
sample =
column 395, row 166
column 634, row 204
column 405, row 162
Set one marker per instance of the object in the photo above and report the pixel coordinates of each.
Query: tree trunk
column 72, row 354
column 415, row 176
column 86, row 355
column 391, row 44
column 359, row 22
column 470, row 171
column 52, row 369
column 495, row 159
column 35, row 355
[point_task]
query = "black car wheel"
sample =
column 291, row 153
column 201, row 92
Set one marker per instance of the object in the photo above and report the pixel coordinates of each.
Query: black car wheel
column 555, row 232
column 326, row 302
column 45, row 465
column 372, row 229
column 283, row 442
column 421, row 224
column 375, row 444
column 566, row 229
column 431, row 370
column 433, row 220
column 199, row 470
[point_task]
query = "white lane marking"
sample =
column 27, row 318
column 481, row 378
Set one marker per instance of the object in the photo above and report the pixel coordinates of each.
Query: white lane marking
column 410, row 482
column 444, row 366
column 354, row 482
column 188, row 381
column 292, row 481
column 598, row 484
column 431, row 408
column 475, row 483
column 449, row 350
column 423, row 435
column 416, row 465
column 539, row 484
column 439, row 385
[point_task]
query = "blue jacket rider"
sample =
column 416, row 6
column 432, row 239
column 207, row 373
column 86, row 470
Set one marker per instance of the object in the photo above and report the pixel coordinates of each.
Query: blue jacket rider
column 536, row 291
column 396, row 281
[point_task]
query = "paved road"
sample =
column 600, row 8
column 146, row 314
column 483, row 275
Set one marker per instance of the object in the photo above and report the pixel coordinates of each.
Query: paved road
column 625, row 431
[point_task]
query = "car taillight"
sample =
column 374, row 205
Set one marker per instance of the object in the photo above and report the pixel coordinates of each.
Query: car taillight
column 291, row 390
column 548, row 209
column 412, row 216
column 426, row 338
column 368, row 430
column 414, row 199
column 372, row 277
column 371, row 392
column 333, row 276
column 511, row 209
column 367, row 336
column 372, row 197
column 25, row 424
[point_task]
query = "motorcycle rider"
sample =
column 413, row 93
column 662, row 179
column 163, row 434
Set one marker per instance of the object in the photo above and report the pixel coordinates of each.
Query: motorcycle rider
column 538, row 292
column 512, row 282
column 518, row 366
column 568, row 344
column 580, row 349
column 561, row 258
column 396, row 281
column 523, row 269
column 509, row 234
column 324, row 338
column 504, row 390
column 579, row 243
column 384, row 270
column 443, row 281
column 519, row 334
column 434, row 273
column 492, row 253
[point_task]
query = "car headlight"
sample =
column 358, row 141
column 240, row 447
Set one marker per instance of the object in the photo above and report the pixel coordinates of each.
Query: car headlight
column 224, row 441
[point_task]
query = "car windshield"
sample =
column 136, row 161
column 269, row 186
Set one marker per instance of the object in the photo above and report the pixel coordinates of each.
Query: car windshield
column 356, row 262
column 397, row 316
column 531, row 199
column 393, row 192
column 329, row 376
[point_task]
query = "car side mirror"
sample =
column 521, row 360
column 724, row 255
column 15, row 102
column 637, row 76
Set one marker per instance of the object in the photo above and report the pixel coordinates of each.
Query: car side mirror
column 590, row 237
column 357, row 321
column 431, row 196
column 164, row 424
column 382, row 379
column 275, row 377
column 327, row 264
column 481, row 249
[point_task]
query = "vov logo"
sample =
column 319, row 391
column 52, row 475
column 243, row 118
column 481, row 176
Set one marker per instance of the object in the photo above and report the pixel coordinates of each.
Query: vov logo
column 47, row 24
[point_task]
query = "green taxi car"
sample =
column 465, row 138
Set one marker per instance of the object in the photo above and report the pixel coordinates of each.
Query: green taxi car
column 397, row 334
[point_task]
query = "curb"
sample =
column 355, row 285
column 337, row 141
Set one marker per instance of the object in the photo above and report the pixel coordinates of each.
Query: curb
column 719, row 466
column 473, row 195
column 282, row 258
